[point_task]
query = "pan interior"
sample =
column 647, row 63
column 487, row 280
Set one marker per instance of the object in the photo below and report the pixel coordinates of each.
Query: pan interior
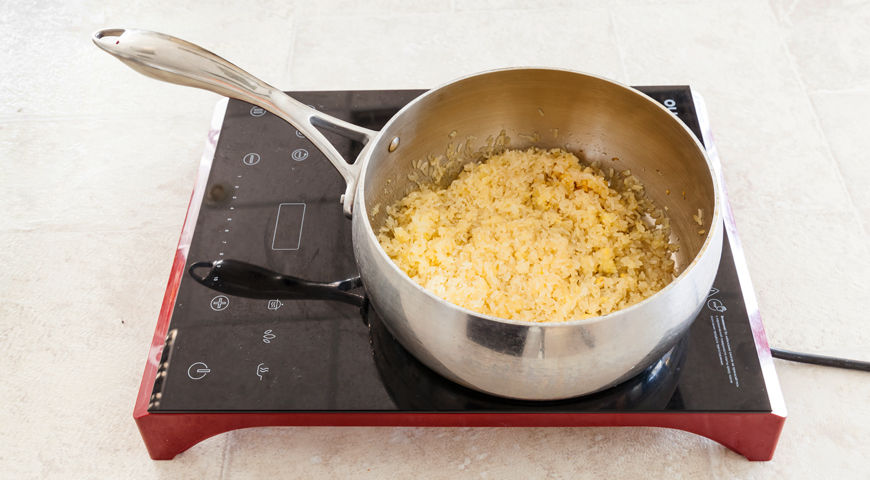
column 595, row 119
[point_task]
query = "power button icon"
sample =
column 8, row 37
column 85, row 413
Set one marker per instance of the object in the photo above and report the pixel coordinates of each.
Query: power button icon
column 197, row 371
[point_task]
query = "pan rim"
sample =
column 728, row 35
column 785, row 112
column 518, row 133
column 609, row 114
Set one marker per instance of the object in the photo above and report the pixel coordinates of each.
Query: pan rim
column 713, row 234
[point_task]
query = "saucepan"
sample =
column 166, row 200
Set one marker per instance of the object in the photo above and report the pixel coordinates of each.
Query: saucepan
column 516, row 108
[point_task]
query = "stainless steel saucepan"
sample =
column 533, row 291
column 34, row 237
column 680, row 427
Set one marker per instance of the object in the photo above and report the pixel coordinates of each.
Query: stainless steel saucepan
column 532, row 106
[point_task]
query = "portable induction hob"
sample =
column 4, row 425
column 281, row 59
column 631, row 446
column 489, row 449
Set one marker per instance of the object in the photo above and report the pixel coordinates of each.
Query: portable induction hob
column 265, row 195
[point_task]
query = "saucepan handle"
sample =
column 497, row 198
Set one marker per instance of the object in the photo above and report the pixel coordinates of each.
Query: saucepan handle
column 242, row 279
column 174, row 60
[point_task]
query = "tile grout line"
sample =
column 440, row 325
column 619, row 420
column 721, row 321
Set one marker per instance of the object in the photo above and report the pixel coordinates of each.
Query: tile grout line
column 817, row 123
column 619, row 50
column 225, row 455
column 838, row 91
column 438, row 11
column 288, row 63
column 55, row 117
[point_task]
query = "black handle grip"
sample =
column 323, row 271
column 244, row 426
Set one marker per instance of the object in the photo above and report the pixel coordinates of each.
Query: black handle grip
column 241, row 279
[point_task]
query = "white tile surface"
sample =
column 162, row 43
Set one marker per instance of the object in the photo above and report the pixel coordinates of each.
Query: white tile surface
column 470, row 453
column 763, row 123
column 796, row 290
column 826, row 39
column 58, row 71
column 98, row 161
column 844, row 119
column 77, row 170
column 419, row 51
column 70, row 327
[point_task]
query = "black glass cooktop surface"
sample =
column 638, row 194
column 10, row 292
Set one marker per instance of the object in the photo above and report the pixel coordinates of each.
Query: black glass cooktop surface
column 272, row 199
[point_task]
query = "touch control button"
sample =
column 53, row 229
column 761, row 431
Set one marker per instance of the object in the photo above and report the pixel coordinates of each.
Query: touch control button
column 262, row 369
column 197, row 371
column 220, row 302
column 268, row 336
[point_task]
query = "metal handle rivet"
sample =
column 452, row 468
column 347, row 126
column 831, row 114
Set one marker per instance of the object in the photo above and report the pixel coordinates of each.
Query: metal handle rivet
column 394, row 144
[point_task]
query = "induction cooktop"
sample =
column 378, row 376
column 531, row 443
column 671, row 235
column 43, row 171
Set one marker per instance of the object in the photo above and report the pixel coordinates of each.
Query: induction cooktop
column 266, row 196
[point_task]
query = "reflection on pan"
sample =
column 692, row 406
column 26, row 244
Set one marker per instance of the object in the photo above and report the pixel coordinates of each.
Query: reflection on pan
column 413, row 386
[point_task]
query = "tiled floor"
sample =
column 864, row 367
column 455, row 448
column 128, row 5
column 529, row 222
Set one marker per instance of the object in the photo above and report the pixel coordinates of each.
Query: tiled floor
column 98, row 162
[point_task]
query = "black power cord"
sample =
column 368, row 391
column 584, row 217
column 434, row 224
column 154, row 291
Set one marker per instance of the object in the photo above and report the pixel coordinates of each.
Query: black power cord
column 820, row 360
